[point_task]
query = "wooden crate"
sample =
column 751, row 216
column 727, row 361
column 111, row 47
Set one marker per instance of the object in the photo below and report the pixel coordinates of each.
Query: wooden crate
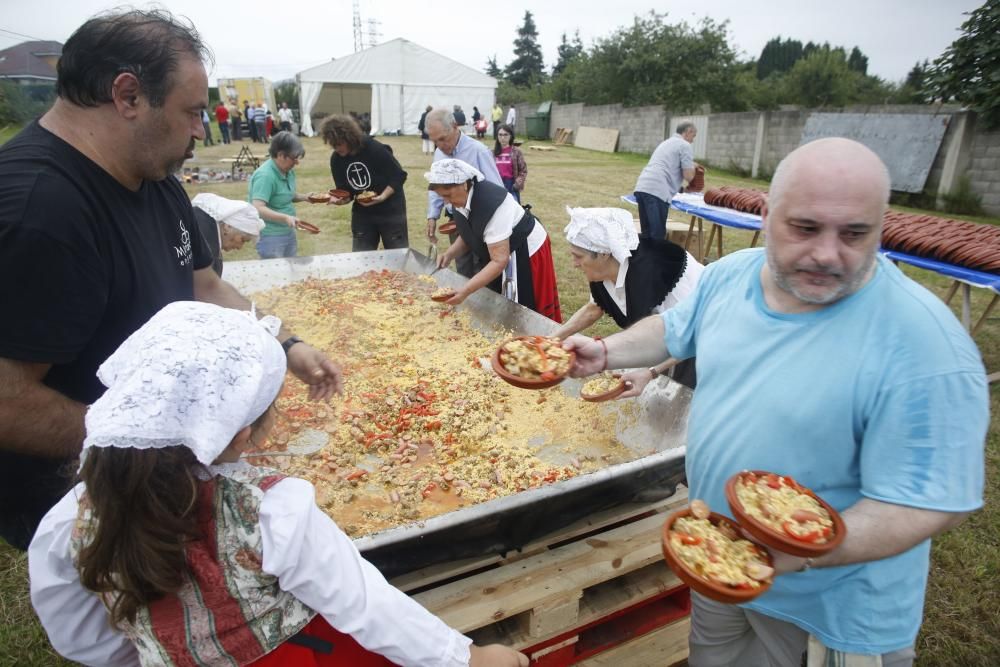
column 596, row 587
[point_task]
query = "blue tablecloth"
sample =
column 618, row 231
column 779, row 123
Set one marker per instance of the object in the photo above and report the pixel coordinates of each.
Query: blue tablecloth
column 970, row 276
column 694, row 204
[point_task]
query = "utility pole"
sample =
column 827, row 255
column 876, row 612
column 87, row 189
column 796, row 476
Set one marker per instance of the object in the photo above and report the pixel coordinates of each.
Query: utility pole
column 358, row 35
column 373, row 32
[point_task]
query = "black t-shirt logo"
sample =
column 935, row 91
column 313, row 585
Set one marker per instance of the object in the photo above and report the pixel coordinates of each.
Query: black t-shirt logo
column 183, row 251
column 358, row 176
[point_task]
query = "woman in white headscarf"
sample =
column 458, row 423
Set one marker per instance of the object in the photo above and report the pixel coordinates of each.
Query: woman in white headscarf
column 226, row 224
column 630, row 278
column 173, row 551
column 508, row 240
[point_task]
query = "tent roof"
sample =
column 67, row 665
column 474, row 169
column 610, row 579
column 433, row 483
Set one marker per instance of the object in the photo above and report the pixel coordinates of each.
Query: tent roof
column 398, row 61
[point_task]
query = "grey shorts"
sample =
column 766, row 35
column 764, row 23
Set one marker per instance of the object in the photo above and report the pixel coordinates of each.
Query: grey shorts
column 724, row 635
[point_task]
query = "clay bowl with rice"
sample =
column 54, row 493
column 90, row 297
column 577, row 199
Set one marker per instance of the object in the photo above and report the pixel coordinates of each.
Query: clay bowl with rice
column 705, row 550
column 783, row 514
column 532, row 362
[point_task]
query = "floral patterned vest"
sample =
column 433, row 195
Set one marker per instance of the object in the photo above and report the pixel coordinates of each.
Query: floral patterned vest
column 228, row 611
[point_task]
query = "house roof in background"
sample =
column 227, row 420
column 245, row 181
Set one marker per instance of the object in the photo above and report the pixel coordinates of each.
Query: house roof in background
column 28, row 60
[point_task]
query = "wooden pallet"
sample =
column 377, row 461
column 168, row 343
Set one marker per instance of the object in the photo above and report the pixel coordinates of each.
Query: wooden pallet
column 595, row 586
column 562, row 136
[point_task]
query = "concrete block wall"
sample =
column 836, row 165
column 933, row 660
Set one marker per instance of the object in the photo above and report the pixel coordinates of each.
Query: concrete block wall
column 782, row 135
column 642, row 128
column 566, row 116
column 524, row 110
column 731, row 140
column 984, row 169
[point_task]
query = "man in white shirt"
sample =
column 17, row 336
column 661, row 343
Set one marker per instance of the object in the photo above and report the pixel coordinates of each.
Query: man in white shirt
column 285, row 117
column 512, row 116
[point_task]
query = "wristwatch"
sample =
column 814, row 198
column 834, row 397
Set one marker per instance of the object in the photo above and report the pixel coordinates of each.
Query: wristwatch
column 653, row 373
column 806, row 565
column 291, row 340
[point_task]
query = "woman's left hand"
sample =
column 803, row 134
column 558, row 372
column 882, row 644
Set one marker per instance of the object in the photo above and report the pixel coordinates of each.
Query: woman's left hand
column 371, row 202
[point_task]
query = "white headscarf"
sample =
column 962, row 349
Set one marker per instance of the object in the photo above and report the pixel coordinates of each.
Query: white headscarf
column 237, row 214
column 451, row 172
column 195, row 374
column 606, row 230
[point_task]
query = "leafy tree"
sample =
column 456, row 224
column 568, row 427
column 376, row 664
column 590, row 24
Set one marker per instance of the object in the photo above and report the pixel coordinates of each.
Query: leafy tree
column 527, row 68
column 653, row 62
column 857, row 61
column 286, row 91
column 567, row 52
column 915, row 88
column 821, row 79
column 492, row 69
column 778, row 56
column 969, row 69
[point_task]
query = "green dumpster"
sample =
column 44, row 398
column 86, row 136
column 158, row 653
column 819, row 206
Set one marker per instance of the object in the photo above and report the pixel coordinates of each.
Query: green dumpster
column 538, row 122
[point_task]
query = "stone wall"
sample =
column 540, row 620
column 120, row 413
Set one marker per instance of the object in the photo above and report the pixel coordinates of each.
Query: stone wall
column 731, row 140
column 783, row 131
column 984, row 168
column 566, row 116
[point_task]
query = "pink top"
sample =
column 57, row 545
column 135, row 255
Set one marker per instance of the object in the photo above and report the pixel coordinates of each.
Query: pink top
column 504, row 164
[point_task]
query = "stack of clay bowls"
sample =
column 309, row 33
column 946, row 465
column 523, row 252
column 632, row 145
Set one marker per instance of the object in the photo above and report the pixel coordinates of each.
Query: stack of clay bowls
column 969, row 244
column 745, row 200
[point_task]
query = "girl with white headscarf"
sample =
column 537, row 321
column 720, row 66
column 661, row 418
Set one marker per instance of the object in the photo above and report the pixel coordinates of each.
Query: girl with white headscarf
column 172, row 551
column 630, row 278
column 507, row 239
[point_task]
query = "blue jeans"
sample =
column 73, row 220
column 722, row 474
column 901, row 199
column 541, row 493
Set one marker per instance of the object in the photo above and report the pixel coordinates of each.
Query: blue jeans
column 509, row 184
column 224, row 131
column 652, row 216
column 278, row 245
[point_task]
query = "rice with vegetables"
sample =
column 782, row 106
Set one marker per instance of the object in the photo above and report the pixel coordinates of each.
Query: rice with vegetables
column 716, row 553
column 781, row 504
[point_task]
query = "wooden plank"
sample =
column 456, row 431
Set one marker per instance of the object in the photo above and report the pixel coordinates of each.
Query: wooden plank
column 538, row 580
column 597, row 139
column 597, row 521
column 536, row 147
column 665, row 646
column 597, row 602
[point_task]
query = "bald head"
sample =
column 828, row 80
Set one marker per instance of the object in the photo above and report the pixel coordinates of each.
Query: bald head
column 834, row 163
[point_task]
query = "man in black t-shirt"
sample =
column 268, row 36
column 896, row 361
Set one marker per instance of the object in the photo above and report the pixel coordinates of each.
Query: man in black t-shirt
column 95, row 237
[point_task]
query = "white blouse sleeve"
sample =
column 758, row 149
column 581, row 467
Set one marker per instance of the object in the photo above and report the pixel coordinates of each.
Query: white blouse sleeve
column 316, row 562
column 74, row 618
column 501, row 225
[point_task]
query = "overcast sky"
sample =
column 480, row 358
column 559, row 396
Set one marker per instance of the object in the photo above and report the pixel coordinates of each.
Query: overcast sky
column 276, row 39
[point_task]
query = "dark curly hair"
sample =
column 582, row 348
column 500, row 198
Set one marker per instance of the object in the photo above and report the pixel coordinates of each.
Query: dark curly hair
column 342, row 129
column 146, row 43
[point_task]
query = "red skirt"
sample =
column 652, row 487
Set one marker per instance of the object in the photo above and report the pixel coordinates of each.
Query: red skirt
column 543, row 282
column 346, row 652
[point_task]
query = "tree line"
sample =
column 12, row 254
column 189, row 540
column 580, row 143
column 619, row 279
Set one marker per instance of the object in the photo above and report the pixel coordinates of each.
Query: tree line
column 692, row 68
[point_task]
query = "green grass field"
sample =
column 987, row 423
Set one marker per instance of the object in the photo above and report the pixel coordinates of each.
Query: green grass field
column 962, row 615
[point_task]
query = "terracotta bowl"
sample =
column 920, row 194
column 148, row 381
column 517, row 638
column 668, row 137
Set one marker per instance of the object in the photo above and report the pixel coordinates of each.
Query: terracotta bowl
column 447, row 228
column 617, row 391
column 308, row 227
column 364, row 199
column 318, row 197
column 710, row 589
column 441, row 298
column 521, row 382
column 780, row 541
column 340, row 194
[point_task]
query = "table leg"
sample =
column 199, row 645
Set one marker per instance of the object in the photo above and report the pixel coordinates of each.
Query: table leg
column 701, row 241
column 966, row 306
column 711, row 236
column 753, row 241
column 982, row 318
column 719, row 240
column 687, row 239
column 951, row 291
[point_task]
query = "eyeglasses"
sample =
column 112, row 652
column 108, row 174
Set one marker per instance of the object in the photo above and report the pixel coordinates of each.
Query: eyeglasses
column 503, row 134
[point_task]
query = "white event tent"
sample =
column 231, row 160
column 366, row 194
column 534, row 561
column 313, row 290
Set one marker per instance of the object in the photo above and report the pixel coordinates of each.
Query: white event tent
column 396, row 81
